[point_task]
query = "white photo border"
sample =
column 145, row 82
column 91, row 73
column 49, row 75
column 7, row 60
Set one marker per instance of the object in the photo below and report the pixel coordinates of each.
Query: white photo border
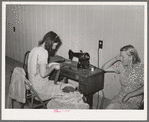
column 34, row 114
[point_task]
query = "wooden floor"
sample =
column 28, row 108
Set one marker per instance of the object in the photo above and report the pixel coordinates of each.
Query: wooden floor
column 11, row 64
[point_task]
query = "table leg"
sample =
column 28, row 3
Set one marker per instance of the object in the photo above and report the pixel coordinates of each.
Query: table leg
column 90, row 100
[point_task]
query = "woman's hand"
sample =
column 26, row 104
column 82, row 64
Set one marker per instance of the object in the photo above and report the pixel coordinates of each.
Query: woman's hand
column 56, row 66
column 137, row 92
column 126, row 97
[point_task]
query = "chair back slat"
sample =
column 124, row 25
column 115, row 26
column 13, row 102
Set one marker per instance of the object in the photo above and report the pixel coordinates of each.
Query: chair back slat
column 25, row 63
column 28, row 82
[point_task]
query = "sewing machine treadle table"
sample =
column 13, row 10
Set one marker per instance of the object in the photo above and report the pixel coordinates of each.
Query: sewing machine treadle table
column 90, row 82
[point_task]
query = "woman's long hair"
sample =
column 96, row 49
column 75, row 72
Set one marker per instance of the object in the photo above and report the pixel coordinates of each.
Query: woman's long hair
column 131, row 51
column 50, row 38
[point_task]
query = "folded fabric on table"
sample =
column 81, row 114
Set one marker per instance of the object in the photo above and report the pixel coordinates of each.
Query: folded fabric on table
column 56, row 59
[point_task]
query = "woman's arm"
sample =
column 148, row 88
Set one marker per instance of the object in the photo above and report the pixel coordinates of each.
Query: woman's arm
column 137, row 92
column 107, row 66
column 45, row 70
column 139, row 70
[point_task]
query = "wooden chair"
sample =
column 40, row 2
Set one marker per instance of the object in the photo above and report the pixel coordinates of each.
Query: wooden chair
column 25, row 63
column 32, row 98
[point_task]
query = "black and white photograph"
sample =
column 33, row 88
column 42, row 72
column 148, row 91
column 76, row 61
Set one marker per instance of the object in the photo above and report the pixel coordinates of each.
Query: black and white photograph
column 74, row 60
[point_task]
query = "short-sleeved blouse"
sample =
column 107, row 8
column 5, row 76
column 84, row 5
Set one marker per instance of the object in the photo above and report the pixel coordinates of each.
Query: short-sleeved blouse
column 44, row 87
column 38, row 55
column 130, row 81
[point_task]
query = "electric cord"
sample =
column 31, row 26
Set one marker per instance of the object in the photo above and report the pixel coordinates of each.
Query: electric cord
column 102, row 100
column 97, row 101
column 103, row 96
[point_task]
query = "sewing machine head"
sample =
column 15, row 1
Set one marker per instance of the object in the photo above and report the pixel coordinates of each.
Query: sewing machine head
column 83, row 62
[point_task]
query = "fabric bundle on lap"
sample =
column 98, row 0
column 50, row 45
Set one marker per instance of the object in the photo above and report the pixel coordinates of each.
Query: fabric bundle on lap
column 71, row 100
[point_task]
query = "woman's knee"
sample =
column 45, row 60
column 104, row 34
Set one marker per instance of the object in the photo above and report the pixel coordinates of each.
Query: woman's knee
column 111, row 106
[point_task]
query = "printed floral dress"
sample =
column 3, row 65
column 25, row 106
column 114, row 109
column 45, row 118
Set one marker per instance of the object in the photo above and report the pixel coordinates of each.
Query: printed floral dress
column 130, row 81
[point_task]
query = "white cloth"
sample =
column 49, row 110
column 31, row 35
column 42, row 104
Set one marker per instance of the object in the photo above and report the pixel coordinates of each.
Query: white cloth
column 17, row 87
column 72, row 100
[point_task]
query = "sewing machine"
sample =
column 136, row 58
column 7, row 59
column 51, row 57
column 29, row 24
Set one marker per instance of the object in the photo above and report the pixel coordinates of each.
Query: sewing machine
column 83, row 62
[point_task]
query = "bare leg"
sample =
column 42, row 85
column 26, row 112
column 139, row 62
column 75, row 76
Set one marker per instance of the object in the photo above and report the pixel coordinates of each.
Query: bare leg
column 111, row 106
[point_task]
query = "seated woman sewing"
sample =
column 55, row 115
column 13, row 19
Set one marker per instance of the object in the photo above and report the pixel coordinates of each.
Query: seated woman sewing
column 127, row 65
column 39, row 69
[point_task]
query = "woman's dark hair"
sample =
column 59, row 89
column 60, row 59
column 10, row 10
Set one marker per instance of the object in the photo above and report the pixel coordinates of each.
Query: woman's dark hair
column 131, row 51
column 50, row 38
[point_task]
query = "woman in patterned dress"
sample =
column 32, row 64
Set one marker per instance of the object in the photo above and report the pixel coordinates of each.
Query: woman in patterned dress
column 128, row 65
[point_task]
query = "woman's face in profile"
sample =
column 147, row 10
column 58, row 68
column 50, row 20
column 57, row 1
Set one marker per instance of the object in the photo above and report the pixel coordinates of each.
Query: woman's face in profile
column 54, row 46
column 125, row 58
